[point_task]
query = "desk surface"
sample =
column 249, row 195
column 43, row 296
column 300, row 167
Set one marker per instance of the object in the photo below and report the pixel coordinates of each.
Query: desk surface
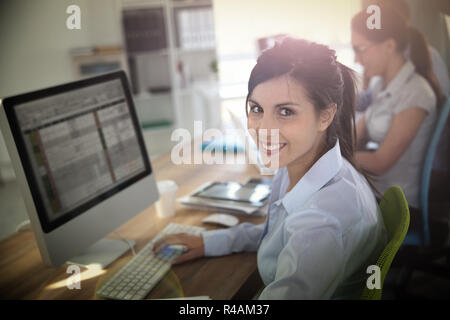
column 24, row 276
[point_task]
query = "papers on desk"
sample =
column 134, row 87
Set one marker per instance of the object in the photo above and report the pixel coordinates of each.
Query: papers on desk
column 222, row 206
column 250, row 198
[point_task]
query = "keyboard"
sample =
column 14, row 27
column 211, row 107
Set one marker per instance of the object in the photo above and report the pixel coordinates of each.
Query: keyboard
column 143, row 272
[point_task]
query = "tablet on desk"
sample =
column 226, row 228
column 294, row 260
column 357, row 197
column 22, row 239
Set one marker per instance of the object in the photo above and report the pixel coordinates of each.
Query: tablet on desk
column 254, row 194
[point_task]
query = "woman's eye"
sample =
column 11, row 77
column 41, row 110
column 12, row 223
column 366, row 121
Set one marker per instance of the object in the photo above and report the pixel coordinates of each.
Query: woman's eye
column 255, row 109
column 286, row 112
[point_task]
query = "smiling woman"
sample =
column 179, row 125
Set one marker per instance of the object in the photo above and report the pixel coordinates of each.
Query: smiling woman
column 320, row 92
column 298, row 149
column 323, row 229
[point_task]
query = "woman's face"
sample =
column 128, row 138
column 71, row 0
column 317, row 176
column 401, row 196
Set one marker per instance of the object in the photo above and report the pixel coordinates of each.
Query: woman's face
column 281, row 103
column 372, row 56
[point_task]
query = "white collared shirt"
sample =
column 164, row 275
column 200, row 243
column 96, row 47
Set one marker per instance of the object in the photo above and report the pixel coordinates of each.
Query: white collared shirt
column 407, row 90
column 318, row 239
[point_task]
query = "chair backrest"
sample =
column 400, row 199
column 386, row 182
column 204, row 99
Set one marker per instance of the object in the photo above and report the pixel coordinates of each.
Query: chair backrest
column 428, row 166
column 395, row 211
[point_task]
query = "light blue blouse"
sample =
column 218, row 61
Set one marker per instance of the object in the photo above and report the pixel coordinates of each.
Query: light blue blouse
column 318, row 239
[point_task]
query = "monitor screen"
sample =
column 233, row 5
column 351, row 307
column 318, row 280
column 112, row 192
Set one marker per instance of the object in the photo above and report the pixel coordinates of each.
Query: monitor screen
column 80, row 144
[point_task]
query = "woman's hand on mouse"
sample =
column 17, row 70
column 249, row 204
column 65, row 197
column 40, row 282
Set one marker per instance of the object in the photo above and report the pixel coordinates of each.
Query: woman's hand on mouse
column 194, row 244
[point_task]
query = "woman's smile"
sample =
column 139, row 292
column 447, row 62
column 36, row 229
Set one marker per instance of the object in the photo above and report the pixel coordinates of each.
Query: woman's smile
column 271, row 148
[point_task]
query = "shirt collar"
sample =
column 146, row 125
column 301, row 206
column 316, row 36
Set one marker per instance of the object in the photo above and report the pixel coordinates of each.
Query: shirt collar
column 400, row 79
column 319, row 175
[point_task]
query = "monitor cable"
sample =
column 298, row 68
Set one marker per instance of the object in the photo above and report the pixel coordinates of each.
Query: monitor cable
column 24, row 224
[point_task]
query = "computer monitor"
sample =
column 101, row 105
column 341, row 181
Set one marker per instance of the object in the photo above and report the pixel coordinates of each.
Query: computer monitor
column 82, row 165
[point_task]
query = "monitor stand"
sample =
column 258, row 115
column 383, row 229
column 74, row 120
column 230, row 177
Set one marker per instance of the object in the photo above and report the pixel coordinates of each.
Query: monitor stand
column 102, row 253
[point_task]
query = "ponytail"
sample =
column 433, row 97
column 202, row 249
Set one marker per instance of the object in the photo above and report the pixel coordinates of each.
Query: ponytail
column 346, row 132
column 347, row 126
column 420, row 56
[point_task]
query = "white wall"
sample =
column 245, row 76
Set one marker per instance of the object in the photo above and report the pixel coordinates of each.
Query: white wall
column 240, row 22
column 35, row 43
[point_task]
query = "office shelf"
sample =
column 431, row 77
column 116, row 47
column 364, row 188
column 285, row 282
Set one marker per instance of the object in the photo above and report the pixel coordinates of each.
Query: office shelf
column 167, row 63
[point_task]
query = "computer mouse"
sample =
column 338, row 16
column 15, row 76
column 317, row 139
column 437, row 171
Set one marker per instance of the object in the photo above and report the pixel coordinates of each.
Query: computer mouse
column 178, row 247
column 222, row 219
column 170, row 249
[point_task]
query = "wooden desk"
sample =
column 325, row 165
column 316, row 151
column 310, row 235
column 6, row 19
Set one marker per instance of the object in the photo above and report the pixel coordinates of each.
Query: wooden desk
column 23, row 275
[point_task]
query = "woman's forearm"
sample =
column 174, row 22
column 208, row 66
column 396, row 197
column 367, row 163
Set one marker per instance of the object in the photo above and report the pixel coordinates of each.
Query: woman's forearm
column 370, row 162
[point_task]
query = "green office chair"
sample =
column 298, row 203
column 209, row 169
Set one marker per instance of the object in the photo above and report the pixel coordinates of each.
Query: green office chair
column 395, row 212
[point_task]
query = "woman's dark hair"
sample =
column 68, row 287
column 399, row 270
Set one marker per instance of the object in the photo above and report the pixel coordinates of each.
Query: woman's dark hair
column 394, row 25
column 325, row 80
